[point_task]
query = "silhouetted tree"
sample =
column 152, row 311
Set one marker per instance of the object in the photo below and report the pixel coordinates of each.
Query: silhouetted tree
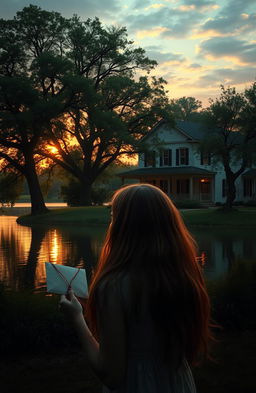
column 186, row 108
column 232, row 134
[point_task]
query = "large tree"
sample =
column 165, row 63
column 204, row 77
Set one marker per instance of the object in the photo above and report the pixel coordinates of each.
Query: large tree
column 113, row 109
column 231, row 139
column 73, row 85
column 27, row 103
column 186, row 108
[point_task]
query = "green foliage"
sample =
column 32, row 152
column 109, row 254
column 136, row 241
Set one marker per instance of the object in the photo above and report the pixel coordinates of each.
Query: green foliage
column 72, row 191
column 10, row 188
column 231, row 135
column 185, row 108
column 76, row 81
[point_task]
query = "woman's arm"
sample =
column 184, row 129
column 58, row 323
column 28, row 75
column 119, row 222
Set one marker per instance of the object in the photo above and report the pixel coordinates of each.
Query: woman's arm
column 108, row 357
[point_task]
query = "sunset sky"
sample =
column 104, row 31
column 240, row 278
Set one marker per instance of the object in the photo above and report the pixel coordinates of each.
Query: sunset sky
column 199, row 44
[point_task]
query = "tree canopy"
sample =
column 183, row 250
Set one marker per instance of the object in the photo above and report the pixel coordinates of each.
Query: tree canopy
column 186, row 108
column 70, row 91
column 232, row 137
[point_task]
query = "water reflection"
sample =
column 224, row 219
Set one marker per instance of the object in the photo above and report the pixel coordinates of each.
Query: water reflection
column 24, row 250
column 219, row 249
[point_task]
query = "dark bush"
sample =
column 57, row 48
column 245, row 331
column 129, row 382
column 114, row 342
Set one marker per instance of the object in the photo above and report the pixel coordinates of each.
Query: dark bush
column 187, row 204
column 71, row 193
column 251, row 202
column 238, row 203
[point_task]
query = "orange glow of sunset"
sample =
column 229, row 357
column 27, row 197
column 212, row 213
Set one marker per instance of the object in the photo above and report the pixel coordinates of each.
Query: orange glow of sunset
column 52, row 149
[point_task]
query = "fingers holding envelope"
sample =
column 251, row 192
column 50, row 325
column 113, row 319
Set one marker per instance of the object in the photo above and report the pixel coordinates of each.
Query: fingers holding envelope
column 71, row 306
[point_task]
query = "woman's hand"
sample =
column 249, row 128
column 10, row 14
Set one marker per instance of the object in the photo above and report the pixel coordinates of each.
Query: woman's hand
column 71, row 307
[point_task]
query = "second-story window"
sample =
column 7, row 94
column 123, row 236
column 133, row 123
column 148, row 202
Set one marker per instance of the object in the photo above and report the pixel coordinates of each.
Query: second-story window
column 150, row 158
column 182, row 156
column 166, row 157
column 205, row 158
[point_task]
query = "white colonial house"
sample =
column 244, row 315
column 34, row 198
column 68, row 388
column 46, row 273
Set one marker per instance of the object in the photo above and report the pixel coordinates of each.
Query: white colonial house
column 174, row 163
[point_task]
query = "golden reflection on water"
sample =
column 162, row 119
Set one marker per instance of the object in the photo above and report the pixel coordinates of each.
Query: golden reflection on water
column 54, row 247
column 23, row 251
column 15, row 240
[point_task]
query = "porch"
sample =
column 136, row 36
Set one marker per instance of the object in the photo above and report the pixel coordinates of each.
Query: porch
column 180, row 183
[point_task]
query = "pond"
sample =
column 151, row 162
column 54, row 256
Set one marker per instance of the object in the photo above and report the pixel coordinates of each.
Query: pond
column 23, row 251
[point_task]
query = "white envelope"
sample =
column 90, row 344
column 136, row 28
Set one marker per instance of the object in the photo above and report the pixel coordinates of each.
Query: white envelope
column 59, row 278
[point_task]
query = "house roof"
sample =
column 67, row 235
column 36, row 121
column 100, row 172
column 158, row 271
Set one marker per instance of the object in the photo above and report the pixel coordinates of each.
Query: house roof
column 184, row 170
column 250, row 173
column 192, row 130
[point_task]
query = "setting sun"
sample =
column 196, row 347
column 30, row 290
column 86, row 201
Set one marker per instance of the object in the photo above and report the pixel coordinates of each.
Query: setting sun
column 52, row 149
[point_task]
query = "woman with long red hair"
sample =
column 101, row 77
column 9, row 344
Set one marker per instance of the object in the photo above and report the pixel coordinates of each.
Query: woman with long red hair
column 148, row 309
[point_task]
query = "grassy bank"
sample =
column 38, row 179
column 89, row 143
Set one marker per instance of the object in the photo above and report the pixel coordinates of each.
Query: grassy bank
column 100, row 215
column 241, row 218
column 92, row 215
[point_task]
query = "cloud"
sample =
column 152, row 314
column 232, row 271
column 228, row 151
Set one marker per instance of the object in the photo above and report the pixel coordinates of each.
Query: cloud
column 141, row 4
column 201, row 5
column 154, row 32
column 227, row 76
column 164, row 57
column 155, row 5
column 195, row 65
column 231, row 20
column 229, row 48
column 174, row 22
column 84, row 8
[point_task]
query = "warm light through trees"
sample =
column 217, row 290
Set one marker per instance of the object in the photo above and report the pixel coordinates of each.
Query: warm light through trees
column 69, row 93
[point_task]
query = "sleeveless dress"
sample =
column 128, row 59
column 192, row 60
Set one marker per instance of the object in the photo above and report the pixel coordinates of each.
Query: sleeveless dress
column 145, row 371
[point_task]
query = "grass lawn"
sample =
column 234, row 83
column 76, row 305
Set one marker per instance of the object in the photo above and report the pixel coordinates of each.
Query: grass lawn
column 100, row 215
column 91, row 215
column 243, row 217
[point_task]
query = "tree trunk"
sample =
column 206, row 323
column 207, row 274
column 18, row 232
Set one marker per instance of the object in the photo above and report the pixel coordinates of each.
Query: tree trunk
column 37, row 199
column 231, row 192
column 85, row 197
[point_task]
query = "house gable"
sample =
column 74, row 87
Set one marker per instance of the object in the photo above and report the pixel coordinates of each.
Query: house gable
column 162, row 133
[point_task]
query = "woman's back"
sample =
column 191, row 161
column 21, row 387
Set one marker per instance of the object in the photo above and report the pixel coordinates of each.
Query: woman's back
column 146, row 371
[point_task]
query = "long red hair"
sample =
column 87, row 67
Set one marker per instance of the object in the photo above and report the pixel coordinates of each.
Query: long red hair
column 148, row 240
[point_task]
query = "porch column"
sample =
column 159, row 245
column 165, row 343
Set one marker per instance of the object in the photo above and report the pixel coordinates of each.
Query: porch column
column 191, row 188
column 213, row 189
